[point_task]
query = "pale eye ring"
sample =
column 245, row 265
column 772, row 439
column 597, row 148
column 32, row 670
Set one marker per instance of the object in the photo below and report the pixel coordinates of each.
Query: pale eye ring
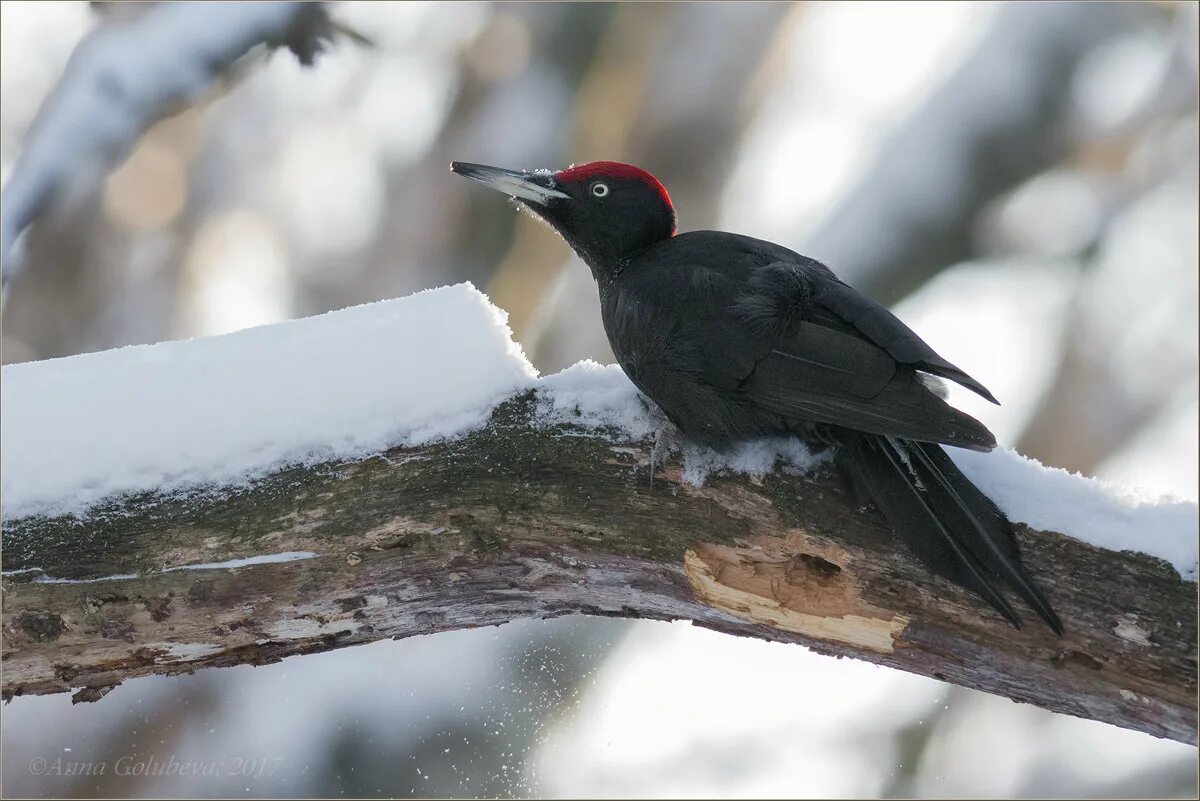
column 600, row 189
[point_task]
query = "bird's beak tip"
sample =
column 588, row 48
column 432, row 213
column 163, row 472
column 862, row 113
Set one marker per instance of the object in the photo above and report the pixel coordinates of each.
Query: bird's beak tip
column 515, row 183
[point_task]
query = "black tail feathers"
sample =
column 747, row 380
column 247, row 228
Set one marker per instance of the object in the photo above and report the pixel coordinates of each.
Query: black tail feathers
column 951, row 526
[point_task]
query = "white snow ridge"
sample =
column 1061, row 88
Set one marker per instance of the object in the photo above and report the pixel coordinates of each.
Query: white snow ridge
column 220, row 411
column 223, row 409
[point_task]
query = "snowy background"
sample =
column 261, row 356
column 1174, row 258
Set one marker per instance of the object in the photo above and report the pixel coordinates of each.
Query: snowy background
column 1018, row 181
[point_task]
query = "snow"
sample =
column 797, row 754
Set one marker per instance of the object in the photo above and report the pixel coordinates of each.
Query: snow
column 593, row 396
column 117, row 83
column 1097, row 512
column 220, row 411
column 756, row 458
column 600, row 396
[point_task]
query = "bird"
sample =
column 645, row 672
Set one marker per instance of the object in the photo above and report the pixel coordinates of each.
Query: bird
column 735, row 338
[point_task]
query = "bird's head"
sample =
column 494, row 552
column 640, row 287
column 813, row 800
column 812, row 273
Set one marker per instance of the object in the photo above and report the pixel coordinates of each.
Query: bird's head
column 607, row 211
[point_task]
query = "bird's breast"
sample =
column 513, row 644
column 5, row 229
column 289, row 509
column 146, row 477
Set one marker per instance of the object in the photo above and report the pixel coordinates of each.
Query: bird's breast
column 639, row 331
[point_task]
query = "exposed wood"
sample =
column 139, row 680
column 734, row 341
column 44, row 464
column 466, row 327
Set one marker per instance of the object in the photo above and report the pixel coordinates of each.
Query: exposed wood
column 519, row 521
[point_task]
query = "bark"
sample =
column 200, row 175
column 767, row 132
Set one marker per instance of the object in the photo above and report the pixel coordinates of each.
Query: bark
column 518, row 520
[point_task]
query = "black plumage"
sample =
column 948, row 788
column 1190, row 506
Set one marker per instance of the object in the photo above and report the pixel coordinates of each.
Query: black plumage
column 737, row 338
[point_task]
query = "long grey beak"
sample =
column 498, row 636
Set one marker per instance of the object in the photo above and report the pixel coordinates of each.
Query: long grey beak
column 528, row 186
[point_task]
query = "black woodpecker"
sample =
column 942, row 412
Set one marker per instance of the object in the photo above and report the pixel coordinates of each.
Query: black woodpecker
column 735, row 338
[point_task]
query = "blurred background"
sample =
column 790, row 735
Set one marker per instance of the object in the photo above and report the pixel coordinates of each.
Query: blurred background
column 1019, row 182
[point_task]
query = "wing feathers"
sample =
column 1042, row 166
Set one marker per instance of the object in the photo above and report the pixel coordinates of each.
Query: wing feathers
column 887, row 331
column 827, row 376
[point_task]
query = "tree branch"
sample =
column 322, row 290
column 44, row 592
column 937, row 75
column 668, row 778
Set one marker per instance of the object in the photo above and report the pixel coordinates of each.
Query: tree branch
column 126, row 76
column 518, row 520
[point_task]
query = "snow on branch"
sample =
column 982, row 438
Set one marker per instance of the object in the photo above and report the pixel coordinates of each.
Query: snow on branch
column 399, row 468
column 128, row 75
column 428, row 367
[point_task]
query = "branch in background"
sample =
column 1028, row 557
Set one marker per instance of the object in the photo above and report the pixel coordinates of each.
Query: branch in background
column 1116, row 372
column 523, row 520
column 1089, row 412
column 128, row 75
column 1001, row 118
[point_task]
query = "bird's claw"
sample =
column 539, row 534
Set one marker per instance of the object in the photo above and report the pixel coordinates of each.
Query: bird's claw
column 667, row 440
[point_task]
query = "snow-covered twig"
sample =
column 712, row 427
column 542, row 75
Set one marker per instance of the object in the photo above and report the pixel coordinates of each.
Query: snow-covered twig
column 128, row 75
column 247, row 459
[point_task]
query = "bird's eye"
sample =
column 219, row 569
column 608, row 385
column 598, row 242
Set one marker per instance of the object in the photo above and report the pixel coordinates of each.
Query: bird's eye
column 600, row 189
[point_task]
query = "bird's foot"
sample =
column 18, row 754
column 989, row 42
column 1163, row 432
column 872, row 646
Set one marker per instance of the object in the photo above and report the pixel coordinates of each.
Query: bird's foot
column 667, row 440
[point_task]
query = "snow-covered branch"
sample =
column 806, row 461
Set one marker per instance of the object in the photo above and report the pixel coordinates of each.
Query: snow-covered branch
column 128, row 75
column 398, row 469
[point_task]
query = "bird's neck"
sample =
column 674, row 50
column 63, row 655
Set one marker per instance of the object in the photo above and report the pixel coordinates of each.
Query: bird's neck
column 609, row 268
column 609, row 275
column 606, row 266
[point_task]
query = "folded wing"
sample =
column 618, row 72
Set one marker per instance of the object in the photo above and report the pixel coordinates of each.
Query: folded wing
column 831, row 355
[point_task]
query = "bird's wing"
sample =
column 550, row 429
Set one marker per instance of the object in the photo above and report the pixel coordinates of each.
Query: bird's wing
column 879, row 325
column 826, row 354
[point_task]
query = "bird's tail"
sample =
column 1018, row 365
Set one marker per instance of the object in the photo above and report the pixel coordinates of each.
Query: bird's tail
column 951, row 526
